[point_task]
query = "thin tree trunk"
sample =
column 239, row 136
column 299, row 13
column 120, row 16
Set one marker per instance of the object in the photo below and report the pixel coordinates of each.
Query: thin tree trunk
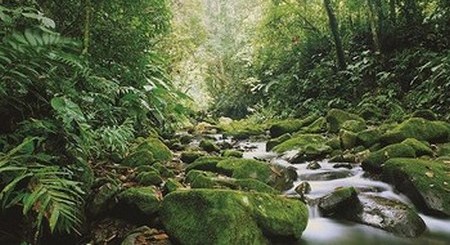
column 392, row 11
column 373, row 27
column 334, row 26
column 87, row 23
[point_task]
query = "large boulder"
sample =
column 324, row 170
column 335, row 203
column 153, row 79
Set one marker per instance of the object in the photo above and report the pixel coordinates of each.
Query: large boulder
column 425, row 182
column 305, row 147
column 422, row 148
column 318, row 126
column 369, row 137
column 425, row 114
column 209, row 146
column 140, row 200
column 231, row 217
column 139, row 158
column 191, row 156
column 159, row 150
column 336, row 118
column 339, row 201
column 274, row 142
column 291, row 125
column 375, row 160
column 420, row 129
column 280, row 178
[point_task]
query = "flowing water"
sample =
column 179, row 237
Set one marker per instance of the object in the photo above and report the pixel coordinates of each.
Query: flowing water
column 321, row 230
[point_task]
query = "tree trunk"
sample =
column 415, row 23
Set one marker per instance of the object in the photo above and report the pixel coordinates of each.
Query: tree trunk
column 86, row 28
column 334, row 26
column 373, row 27
column 392, row 11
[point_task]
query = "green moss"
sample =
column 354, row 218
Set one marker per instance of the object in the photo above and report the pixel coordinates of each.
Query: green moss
column 291, row 125
column 354, row 126
column 209, row 146
column 339, row 202
column 299, row 142
column 165, row 172
column 145, row 199
column 374, row 160
column 334, row 143
column 369, row 137
column 149, row 178
column 318, row 126
column 243, row 129
column 418, row 128
column 191, row 156
column 231, row 217
column 274, row 142
column 443, row 150
column 102, row 198
column 159, row 150
column 139, row 158
column 172, row 185
column 348, row 139
column 205, row 163
column 232, row 153
column 193, row 174
column 421, row 148
column 336, row 118
column 424, row 182
column 425, row 114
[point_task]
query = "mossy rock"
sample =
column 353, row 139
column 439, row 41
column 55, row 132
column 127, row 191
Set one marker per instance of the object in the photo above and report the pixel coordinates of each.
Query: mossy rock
column 139, row 158
column 186, row 138
column 299, row 142
column 424, row 182
column 422, row 148
column 103, row 198
column 172, row 185
column 163, row 171
column 420, row 129
column 278, row 177
column 231, row 217
column 339, row 202
column 348, row 139
column 145, row 199
column 149, row 178
column 375, row 160
column 425, row 114
column 232, row 153
column 274, row 142
column 318, row 126
column 209, row 146
column 193, row 174
column 370, row 112
column 336, row 118
column 369, row 137
column 242, row 129
column 290, row 125
column 334, row 143
column 354, row 126
column 190, row 156
column 160, row 151
column 443, row 150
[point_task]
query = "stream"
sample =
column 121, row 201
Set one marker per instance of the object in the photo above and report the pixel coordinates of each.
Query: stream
column 321, row 230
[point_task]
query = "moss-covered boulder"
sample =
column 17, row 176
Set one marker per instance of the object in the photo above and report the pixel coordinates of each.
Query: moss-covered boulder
column 368, row 137
column 232, row 153
column 274, row 142
column 336, row 118
column 348, row 139
column 370, row 112
column 278, row 177
column 159, row 150
column 339, row 201
column 318, row 126
column 145, row 200
column 290, row 125
column 354, row 126
column 425, row 182
column 102, row 198
column 422, row 148
column 149, row 178
column 375, row 160
column 242, row 129
column 171, row 185
column 334, row 143
column 425, row 114
column 209, row 146
column 191, row 156
column 231, row 217
column 420, row 129
column 163, row 171
column 138, row 158
column 443, row 150
column 307, row 147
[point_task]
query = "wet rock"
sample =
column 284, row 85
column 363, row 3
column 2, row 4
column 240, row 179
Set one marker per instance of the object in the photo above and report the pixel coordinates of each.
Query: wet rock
column 343, row 165
column 389, row 215
column 231, row 217
column 375, row 160
column 420, row 129
column 274, row 142
column 318, row 126
column 232, row 153
column 368, row 137
column 339, row 202
column 224, row 145
column 327, row 175
column 424, row 182
column 336, row 118
column 344, row 158
column 149, row 178
column 103, row 198
column 348, row 139
column 191, row 156
column 144, row 200
column 303, row 188
column 313, row 165
column 209, row 146
column 307, row 147
column 290, row 125
column 185, row 138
